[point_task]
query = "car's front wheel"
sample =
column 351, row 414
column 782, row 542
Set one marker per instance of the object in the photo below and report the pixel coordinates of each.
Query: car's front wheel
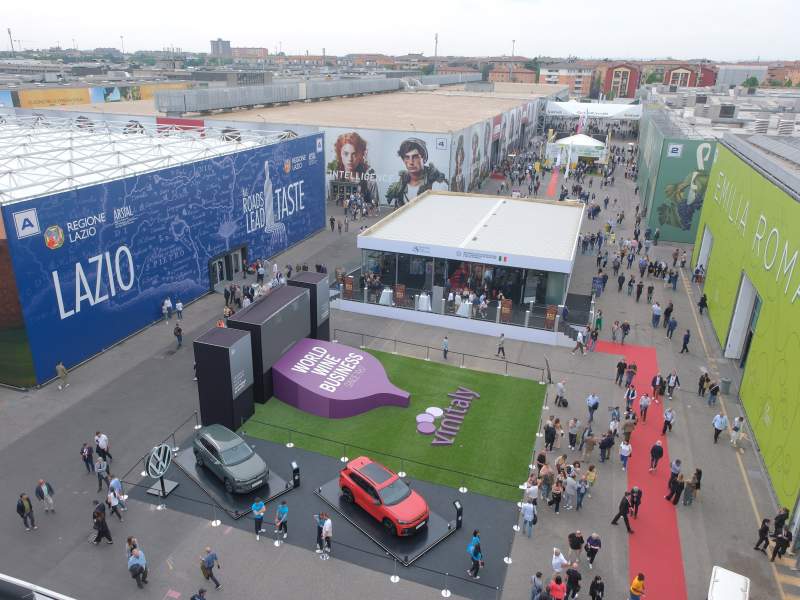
column 228, row 486
column 389, row 526
column 347, row 495
column 198, row 459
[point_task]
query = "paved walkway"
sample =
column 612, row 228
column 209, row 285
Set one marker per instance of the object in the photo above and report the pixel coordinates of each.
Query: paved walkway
column 139, row 389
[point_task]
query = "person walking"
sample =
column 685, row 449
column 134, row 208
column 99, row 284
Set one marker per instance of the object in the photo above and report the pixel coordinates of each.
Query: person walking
column 166, row 310
column 672, row 325
column 101, row 470
column 575, row 541
column 703, row 303
column 529, row 518
column 655, row 384
column 557, row 589
column 688, row 491
column 597, row 589
column 62, row 374
column 573, row 581
column 625, row 451
column 636, row 500
column 676, row 489
column 327, row 537
column 282, row 519
column 626, row 329
column 102, row 446
column 763, row 536
column 702, row 384
column 656, row 311
column 200, row 595
column 100, row 524
column 208, row 561
column 621, row 367
column 87, row 456
column 780, row 520
column 501, row 345
column 137, row 567
column 656, row 453
column 115, row 485
column 685, row 346
column 25, row 512
column 622, row 512
column 537, row 586
column 637, row 586
column 592, row 403
column 630, row 397
column 178, row 333
column 592, row 547
column 782, row 542
column 579, row 343
column 669, row 420
column 555, row 495
column 44, row 493
column 549, row 435
column 673, row 381
column 720, row 423
column 644, row 404
column 475, row 555
column 558, row 562
column 179, row 310
column 259, row 509
column 561, row 390
column 112, row 500
column 736, row 431
column 573, row 427
column 668, row 315
column 445, row 347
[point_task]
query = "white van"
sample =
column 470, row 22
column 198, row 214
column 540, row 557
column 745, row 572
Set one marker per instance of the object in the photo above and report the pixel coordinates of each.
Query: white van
column 727, row 585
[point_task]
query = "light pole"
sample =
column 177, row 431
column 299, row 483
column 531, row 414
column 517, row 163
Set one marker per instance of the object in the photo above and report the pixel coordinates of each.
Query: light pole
column 513, row 46
column 122, row 44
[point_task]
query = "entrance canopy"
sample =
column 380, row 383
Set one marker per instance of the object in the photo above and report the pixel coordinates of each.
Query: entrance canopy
column 595, row 110
column 575, row 146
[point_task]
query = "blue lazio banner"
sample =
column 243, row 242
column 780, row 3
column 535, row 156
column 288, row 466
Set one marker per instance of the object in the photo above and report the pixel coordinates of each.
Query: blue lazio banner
column 94, row 264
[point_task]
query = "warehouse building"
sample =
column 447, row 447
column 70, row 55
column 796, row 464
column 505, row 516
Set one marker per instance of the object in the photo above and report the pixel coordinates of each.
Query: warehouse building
column 747, row 243
column 101, row 221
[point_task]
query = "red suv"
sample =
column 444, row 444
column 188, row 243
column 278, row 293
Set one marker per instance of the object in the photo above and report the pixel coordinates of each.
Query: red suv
column 383, row 495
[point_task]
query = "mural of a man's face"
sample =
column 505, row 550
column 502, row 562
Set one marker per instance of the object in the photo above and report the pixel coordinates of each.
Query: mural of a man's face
column 413, row 162
column 351, row 158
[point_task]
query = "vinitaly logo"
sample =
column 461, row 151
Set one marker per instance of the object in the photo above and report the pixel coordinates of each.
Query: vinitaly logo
column 451, row 417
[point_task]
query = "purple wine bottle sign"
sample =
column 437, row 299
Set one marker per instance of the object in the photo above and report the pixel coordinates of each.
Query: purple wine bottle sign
column 333, row 380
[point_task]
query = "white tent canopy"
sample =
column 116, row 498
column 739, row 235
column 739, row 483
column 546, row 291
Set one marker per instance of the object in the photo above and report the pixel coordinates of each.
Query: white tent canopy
column 594, row 110
column 580, row 141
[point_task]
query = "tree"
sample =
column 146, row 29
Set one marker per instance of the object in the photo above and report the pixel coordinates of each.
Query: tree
column 787, row 83
column 427, row 69
column 750, row 82
column 655, row 78
column 485, row 70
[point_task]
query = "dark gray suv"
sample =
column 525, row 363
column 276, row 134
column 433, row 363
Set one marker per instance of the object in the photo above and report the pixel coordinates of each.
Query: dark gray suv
column 230, row 458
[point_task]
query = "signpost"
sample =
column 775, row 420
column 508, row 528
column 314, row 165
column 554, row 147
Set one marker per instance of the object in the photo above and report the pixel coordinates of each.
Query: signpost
column 157, row 463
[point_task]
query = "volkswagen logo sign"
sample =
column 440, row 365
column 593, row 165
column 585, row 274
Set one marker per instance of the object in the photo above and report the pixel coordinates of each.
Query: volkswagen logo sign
column 159, row 461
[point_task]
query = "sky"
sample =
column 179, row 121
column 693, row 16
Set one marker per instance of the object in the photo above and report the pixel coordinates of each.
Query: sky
column 715, row 29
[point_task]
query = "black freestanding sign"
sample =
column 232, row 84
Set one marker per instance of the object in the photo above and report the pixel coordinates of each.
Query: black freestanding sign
column 224, row 366
column 317, row 285
column 275, row 323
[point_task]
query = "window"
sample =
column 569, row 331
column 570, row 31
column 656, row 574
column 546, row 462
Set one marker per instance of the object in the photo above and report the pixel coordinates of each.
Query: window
column 239, row 453
column 395, row 493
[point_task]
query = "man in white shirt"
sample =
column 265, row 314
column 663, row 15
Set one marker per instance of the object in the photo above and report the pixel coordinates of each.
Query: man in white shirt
column 327, row 535
column 102, row 446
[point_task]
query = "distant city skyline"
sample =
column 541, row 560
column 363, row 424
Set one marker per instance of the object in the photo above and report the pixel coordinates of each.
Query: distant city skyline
column 624, row 29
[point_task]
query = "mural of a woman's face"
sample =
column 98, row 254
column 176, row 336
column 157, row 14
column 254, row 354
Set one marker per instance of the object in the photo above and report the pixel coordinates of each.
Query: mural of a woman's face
column 350, row 158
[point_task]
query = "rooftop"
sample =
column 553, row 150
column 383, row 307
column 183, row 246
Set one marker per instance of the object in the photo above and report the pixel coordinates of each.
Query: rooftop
column 532, row 234
column 432, row 111
column 778, row 157
column 41, row 156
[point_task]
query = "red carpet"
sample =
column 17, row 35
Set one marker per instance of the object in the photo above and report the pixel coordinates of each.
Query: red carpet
column 498, row 175
column 552, row 185
column 655, row 548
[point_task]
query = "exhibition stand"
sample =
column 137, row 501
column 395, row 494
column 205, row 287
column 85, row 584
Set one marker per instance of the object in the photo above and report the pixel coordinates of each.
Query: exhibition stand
column 317, row 286
column 406, row 550
column 235, row 505
column 275, row 323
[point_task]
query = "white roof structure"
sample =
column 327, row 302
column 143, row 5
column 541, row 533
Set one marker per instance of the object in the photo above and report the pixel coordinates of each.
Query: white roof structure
column 44, row 155
column 595, row 110
column 580, row 140
column 509, row 232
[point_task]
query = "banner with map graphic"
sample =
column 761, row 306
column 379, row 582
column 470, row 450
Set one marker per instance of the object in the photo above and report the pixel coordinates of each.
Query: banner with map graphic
column 94, row 264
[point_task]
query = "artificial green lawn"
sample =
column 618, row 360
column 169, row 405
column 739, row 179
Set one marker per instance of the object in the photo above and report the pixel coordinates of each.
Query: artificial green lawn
column 494, row 442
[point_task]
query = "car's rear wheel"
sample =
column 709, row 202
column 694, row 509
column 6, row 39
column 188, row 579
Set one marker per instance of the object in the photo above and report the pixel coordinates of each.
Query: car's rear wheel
column 389, row 526
column 228, row 486
column 347, row 495
column 198, row 459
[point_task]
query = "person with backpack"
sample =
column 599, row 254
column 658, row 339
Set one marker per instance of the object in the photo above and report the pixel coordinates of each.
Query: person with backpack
column 137, row 567
column 475, row 554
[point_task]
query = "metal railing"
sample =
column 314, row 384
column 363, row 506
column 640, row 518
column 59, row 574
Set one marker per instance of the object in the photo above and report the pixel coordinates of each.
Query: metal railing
column 462, row 359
